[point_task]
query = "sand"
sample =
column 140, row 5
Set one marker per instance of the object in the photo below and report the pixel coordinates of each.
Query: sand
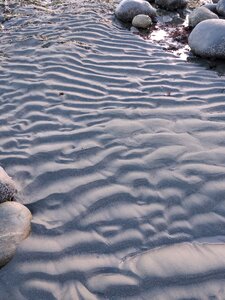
column 119, row 150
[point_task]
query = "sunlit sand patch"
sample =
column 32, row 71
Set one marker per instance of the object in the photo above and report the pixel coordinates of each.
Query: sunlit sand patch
column 178, row 262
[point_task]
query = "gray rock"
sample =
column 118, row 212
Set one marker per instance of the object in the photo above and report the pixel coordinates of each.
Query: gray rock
column 200, row 14
column 7, row 187
column 211, row 7
column 142, row 21
column 134, row 30
column 128, row 9
column 221, row 8
column 171, row 4
column 15, row 220
column 207, row 39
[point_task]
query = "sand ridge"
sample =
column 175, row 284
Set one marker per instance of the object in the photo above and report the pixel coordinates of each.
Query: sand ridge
column 119, row 149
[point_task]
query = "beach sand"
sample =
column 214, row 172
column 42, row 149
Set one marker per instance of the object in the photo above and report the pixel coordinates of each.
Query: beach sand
column 119, row 150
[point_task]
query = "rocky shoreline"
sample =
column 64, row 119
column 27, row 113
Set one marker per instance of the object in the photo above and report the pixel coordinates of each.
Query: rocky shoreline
column 199, row 25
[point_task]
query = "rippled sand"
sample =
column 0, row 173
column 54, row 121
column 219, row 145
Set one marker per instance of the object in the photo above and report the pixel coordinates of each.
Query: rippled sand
column 119, row 149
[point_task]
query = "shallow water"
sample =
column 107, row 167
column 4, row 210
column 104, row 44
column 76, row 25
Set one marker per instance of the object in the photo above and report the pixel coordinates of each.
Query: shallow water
column 119, row 149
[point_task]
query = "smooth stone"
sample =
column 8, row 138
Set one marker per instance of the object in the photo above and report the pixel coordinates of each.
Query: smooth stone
column 128, row 9
column 207, row 39
column 15, row 225
column 142, row 21
column 7, row 187
column 200, row 14
column 134, row 30
column 171, row 4
column 221, row 8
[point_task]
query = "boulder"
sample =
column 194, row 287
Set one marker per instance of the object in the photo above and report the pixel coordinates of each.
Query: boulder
column 171, row 4
column 128, row 9
column 207, row 39
column 15, row 224
column 7, row 187
column 142, row 21
column 200, row 14
column 221, row 8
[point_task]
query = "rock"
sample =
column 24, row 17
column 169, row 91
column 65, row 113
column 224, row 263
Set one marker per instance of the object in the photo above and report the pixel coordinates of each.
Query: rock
column 200, row 14
column 142, row 21
column 207, row 39
column 7, row 187
column 211, row 7
column 221, row 8
column 15, row 220
column 171, row 4
column 128, row 9
column 134, row 30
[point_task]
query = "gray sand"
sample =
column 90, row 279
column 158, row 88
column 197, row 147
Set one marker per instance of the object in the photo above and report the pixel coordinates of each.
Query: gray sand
column 119, row 148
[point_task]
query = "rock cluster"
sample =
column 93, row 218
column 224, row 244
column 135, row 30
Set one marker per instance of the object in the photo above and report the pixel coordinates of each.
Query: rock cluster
column 142, row 14
column 207, row 37
column 15, row 219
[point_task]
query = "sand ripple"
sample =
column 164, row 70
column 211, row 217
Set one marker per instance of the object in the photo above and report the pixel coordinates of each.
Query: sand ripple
column 119, row 149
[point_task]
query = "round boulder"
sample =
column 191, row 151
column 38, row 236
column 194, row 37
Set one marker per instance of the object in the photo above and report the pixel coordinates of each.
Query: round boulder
column 15, row 224
column 142, row 21
column 207, row 39
column 7, row 187
column 171, row 4
column 128, row 9
column 200, row 14
column 221, row 8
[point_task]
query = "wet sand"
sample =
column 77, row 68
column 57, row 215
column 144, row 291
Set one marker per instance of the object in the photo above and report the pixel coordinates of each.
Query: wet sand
column 119, row 149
